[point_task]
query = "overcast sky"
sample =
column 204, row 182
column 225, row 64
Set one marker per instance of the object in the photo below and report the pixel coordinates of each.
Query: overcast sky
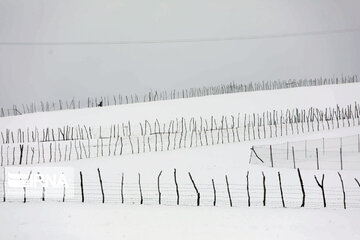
column 32, row 73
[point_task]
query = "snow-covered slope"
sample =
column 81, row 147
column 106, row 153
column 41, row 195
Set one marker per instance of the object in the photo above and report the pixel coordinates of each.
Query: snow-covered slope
column 248, row 102
column 219, row 162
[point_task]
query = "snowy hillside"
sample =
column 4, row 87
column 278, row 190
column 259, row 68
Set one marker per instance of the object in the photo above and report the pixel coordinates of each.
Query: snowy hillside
column 175, row 155
column 248, row 102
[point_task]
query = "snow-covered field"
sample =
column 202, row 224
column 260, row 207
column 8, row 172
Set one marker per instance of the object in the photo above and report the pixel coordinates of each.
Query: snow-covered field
column 115, row 221
column 208, row 164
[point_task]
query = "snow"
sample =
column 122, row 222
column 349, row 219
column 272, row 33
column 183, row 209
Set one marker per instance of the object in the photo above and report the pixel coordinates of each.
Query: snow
column 247, row 102
column 114, row 221
column 52, row 219
column 324, row 153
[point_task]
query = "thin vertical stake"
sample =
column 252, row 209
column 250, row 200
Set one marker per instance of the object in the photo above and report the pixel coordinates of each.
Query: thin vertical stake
column 293, row 153
column 317, row 158
column 271, row 157
column 341, row 159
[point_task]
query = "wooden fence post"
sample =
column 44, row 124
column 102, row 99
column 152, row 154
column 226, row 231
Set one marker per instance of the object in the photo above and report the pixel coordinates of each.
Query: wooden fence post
column 322, row 187
column 248, row 188
column 101, row 186
column 177, row 188
column 341, row 159
column 228, row 190
column 271, row 157
column 213, row 185
column 293, row 153
column 43, row 188
column 343, row 190
column 287, row 150
column 281, row 191
column 2, row 158
column 197, row 191
column 264, row 187
column 64, row 194
column 82, row 187
column 158, row 185
column 141, row 196
column 317, row 158
column 357, row 182
column 25, row 186
column 302, row 188
column 21, row 152
column 122, row 187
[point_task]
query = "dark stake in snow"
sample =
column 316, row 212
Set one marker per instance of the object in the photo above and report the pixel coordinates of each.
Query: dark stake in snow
column 322, row 187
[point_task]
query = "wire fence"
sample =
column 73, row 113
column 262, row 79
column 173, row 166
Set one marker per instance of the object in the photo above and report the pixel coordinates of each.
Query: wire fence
column 46, row 106
column 89, row 143
column 254, row 125
column 191, row 192
column 340, row 153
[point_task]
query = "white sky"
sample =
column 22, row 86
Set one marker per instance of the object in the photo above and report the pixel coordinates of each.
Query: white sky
column 29, row 73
